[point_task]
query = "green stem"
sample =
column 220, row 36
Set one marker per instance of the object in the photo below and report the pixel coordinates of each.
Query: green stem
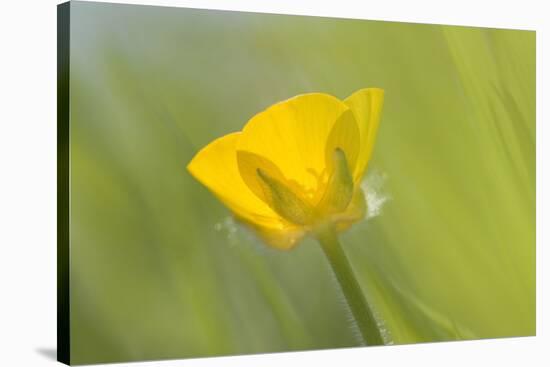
column 349, row 286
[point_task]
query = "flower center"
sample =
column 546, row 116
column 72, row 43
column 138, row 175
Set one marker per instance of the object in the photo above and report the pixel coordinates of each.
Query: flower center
column 292, row 205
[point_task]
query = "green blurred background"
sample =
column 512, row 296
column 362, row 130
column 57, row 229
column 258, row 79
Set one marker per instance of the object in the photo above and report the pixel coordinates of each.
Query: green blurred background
column 159, row 269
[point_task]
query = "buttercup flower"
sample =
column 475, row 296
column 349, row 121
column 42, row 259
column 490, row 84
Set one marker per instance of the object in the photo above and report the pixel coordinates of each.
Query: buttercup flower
column 295, row 167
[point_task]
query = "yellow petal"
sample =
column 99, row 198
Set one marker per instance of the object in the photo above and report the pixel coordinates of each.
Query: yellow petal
column 215, row 166
column 366, row 105
column 344, row 136
column 284, row 238
column 293, row 135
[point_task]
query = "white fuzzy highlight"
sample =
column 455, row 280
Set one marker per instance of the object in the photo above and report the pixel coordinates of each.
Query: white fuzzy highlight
column 375, row 197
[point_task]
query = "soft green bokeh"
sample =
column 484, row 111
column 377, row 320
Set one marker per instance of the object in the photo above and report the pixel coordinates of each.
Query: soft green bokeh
column 159, row 270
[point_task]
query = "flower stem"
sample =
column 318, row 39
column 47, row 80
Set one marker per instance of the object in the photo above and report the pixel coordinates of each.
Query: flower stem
column 349, row 286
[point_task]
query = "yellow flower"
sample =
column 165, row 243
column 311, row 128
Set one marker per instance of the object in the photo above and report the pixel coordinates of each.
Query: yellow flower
column 296, row 166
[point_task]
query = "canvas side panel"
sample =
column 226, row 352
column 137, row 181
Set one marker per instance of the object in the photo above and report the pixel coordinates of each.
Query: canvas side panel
column 63, row 270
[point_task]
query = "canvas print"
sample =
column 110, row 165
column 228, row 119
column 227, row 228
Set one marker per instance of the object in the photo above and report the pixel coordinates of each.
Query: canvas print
column 233, row 183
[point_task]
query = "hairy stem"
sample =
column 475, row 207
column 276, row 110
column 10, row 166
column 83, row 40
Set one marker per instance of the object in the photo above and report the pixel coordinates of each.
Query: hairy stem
column 349, row 286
